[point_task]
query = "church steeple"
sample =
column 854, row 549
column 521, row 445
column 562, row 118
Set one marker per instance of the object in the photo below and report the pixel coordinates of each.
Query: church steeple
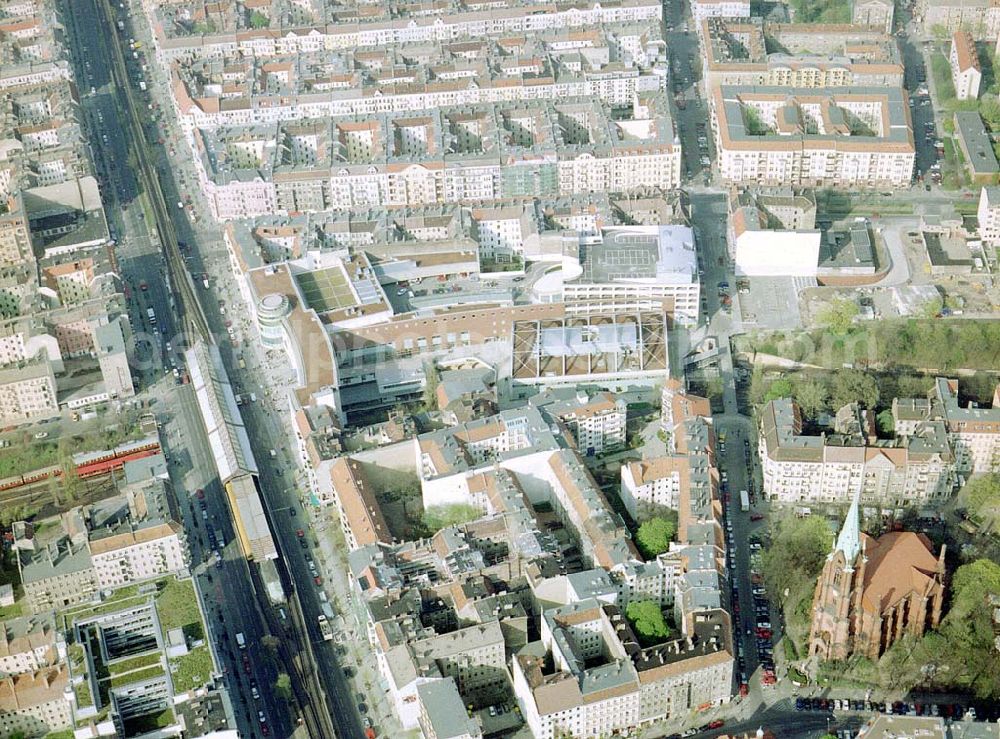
column 849, row 540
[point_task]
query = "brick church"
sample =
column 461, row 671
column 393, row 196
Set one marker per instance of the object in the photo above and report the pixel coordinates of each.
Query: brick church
column 873, row 591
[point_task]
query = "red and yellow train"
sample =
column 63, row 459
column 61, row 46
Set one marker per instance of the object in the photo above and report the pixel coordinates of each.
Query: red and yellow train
column 88, row 464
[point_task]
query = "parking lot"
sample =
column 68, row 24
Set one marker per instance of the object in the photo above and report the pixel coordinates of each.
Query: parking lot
column 772, row 302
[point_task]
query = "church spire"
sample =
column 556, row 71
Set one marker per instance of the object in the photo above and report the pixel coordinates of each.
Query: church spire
column 849, row 541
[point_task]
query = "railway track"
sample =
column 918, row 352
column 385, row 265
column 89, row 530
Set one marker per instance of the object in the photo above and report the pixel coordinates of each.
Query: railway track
column 183, row 286
column 307, row 691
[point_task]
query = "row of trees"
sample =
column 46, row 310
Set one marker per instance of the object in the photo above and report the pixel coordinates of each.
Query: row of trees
column 817, row 393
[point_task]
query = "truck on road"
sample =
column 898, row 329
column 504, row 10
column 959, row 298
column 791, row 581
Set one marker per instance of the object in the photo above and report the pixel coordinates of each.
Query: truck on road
column 325, row 629
column 241, row 640
column 744, row 500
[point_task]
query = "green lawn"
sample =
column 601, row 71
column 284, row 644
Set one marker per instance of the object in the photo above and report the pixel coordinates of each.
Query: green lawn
column 177, row 607
column 83, row 696
column 136, row 676
column 192, row 670
column 134, row 663
column 63, row 734
column 21, row 458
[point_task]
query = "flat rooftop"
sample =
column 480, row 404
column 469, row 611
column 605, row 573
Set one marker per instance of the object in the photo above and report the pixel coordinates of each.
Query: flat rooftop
column 664, row 254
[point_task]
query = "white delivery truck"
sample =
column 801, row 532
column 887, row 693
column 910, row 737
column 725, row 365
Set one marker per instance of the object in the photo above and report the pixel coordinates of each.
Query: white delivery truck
column 744, row 500
column 241, row 640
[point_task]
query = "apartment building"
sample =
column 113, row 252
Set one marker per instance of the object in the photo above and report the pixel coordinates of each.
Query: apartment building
column 653, row 485
column 28, row 393
column 386, row 26
column 443, row 714
column 702, row 9
column 118, row 541
column 677, row 405
column 551, row 148
column 855, row 137
column 753, row 51
column 141, row 554
column 597, row 423
column 917, row 469
column 966, row 73
column 34, row 704
column 974, row 432
column 981, row 18
column 30, row 644
column 15, row 241
column 877, row 13
column 112, row 342
column 988, row 215
column 354, row 497
column 774, row 234
column 601, row 682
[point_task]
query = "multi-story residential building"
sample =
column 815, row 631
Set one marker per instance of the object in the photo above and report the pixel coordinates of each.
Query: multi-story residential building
column 966, row 72
column 81, row 554
column 30, row 644
column 916, row 469
column 502, row 232
column 388, row 26
column 139, row 554
column 974, row 432
column 354, row 497
column 654, row 484
column 28, row 393
column 878, row 13
column 988, row 215
column 34, row 704
column 677, row 405
column 521, row 149
column 752, row 51
column 855, row 137
column 15, row 242
column 979, row 17
column 112, row 339
column 443, row 714
column 601, row 682
column 597, row 423
column 702, row 9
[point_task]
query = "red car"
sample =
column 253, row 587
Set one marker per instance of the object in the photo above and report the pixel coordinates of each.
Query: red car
column 756, row 516
column 717, row 724
column 300, row 533
column 200, row 494
column 264, row 730
column 744, row 690
column 318, row 580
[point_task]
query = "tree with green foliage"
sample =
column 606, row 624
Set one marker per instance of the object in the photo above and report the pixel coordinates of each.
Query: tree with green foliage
column 259, row 20
column 283, row 686
column 812, row 395
column 821, row 11
column 654, row 536
column 982, row 495
column 442, row 516
column 780, row 388
column 989, row 110
column 886, row 423
column 838, row 315
column 850, row 385
column 796, row 554
column 647, row 620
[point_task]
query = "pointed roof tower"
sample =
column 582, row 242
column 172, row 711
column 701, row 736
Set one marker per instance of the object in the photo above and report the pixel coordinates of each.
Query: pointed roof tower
column 849, row 540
